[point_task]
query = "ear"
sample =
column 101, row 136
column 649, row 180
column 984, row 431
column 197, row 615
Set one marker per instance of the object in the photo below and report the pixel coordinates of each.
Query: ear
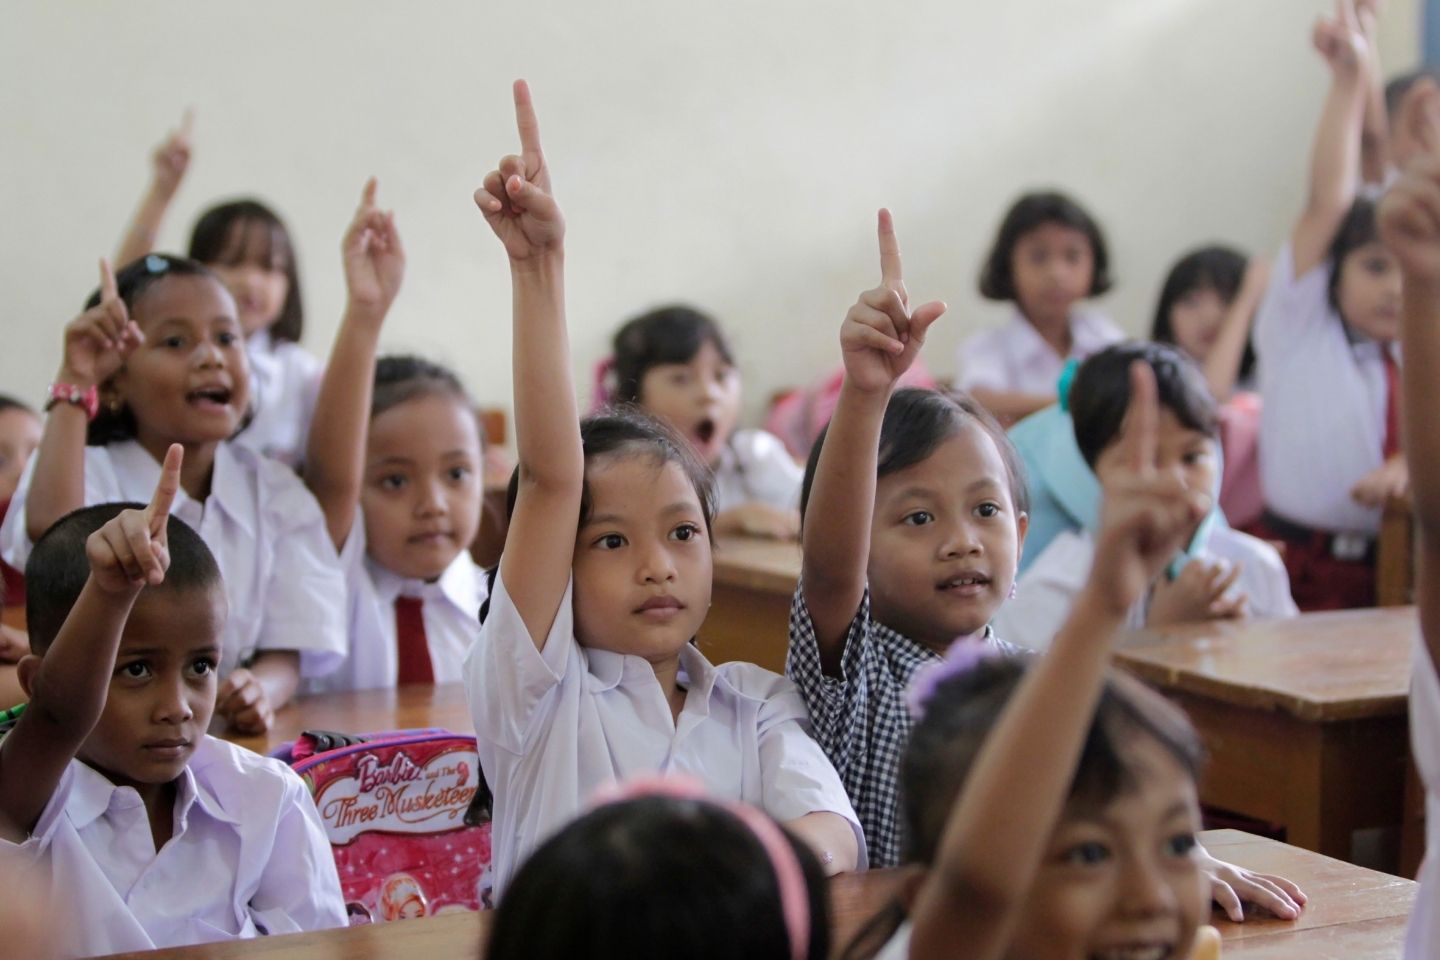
column 25, row 672
column 1022, row 527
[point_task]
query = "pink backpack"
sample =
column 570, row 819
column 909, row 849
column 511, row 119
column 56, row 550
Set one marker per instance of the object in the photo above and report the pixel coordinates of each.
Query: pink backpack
column 408, row 817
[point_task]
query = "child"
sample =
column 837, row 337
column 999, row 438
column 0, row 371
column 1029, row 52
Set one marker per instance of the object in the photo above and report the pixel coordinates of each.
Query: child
column 1048, row 256
column 1410, row 226
column 917, row 510
column 151, row 832
column 19, row 436
column 1325, row 335
column 249, row 248
column 583, row 672
column 397, row 471
column 675, row 363
column 156, row 359
column 669, row 869
column 1221, row 573
column 1074, row 829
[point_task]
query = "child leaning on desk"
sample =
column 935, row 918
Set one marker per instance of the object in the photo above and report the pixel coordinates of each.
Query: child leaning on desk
column 151, row 833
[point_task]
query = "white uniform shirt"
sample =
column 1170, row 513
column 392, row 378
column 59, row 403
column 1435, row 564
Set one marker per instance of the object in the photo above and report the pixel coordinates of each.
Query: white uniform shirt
column 1423, row 940
column 249, row 856
column 1014, row 357
column 284, row 384
column 1045, row 592
column 268, row 535
column 756, row 467
column 450, row 608
column 1323, row 424
column 554, row 726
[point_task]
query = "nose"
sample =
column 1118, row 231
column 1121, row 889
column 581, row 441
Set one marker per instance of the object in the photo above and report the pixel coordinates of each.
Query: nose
column 208, row 355
column 656, row 564
column 1143, row 889
column 172, row 704
column 430, row 499
column 959, row 539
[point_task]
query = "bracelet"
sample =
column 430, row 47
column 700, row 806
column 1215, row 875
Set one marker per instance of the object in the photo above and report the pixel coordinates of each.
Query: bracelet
column 87, row 399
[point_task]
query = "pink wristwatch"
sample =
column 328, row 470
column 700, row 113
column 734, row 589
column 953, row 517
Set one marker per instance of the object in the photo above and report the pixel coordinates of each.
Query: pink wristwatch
column 87, row 400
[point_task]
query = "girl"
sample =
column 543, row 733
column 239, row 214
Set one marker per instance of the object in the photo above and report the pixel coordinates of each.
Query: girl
column 918, row 517
column 676, row 363
column 1325, row 335
column 583, row 672
column 1411, row 230
column 397, row 473
column 1074, row 829
column 156, row 359
column 1222, row 573
column 668, row 868
column 19, row 436
column 249, row 248
column 1048, row 256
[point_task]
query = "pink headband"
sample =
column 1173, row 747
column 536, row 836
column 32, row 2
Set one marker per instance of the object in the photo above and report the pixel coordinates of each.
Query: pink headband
column 789, row 876
column 603, row 394
column 964, row 654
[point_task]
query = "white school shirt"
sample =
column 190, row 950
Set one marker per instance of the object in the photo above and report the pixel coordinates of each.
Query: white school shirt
column 554, row 726
column 284, row 384
column 1322, row 427
column 248, row 857
column 755, row 467
column 1422, row 941
column 282, row 578
column 1014, row 357
column 1045, row 592
column 450, row 608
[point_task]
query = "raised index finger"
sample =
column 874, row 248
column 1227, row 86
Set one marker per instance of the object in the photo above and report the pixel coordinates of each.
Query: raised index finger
column 159, row 510
column 526, row 120
column 890, row 273
column 108, row 288
column 1142, row 419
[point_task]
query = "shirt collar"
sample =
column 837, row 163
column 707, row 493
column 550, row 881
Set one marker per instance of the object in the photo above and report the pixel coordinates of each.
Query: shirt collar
column 697, row 674
column 1085, row 337
column 92, row 795
column 459, row 585
column 229, row 491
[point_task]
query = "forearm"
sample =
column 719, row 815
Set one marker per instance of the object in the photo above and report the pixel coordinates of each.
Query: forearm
column 1335, row 154
column 1222, row 366
column 57, row 484
column 335, row 455
column 140, row 238
column 832, row 838
column 1010, row 406
column 278, row 673
column 1420, row 335
column 1375, row 131
column 547, row 420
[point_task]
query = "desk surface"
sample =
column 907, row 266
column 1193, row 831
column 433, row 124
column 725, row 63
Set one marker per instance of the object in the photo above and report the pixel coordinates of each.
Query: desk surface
column 367, row 711
column 1317, row 667
column 766, row 566
column 1355, row 914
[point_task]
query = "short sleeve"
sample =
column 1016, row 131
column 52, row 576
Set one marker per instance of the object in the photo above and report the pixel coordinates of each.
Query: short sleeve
column 513, row 686
column 771, row 475
column 1291, row 304
column 981, row 363
column 299, row 887
column 837, row 705
column 102, row 485
column 34, row 847
column 305, row 597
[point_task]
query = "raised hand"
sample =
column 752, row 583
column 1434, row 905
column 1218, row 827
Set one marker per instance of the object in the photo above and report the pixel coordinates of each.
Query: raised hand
column 98, row 341
column 516, row 198
column 172, row 158
column 881, row 335
column 133, row 549
column 1147, row 514
column 1341, row 40
column 1409, row 214
column 374, row 257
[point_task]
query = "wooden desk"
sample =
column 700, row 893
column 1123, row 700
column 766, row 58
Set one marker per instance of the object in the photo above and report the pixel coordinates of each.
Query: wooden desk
column 1304, row 720
column 1395, row 555
column 367, row 711
column 1355, row 914
column 750, row 603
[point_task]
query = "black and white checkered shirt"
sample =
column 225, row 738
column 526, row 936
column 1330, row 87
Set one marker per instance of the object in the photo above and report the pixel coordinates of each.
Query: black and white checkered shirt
column 860, row 718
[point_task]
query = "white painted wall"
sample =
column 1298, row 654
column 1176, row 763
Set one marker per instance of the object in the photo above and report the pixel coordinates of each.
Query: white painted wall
column 731, row 154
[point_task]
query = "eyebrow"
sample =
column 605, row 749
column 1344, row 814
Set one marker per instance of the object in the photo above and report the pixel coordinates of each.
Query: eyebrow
column 679, row 506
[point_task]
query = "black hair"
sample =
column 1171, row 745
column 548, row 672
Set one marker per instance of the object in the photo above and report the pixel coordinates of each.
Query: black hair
column 1399, row 85
column 655, row 876
column 670, row 334
column 221, row 236
column 58, row 567
column 627, row 430
column 8, row 402
column 400, row 378
column 997, row 280
column 916, row 422
column 133, row 280
column 1358, row 229
column 1217, row 268
column 959, row 715
column 1101, row 393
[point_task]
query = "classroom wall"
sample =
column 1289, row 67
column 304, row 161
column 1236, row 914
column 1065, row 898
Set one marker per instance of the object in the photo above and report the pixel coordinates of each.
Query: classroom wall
column 730, row 154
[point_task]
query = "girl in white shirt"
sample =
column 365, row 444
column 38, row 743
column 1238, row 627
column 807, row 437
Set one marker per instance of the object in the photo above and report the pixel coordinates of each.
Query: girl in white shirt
column 249, row 248
column 397, row 472
column 1049, row 255
column 156, row 359
column 676, row 363
column 584, row 672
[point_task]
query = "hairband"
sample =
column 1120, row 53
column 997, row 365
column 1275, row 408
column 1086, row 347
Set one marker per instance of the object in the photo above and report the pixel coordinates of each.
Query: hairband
column 156, row 264
column 794, row 894
column 1067, row 378
column 604, row 387
column 963, row 656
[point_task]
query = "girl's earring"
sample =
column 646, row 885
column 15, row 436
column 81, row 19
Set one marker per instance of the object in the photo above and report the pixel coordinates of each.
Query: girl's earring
column 115, row 405
column 1013, row 590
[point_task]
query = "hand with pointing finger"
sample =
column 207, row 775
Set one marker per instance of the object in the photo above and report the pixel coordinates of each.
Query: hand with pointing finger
column 133, row 550
column 98, row 341
column 881, row 335
column 172, row 158
column 1341, row 40
column 516, row 198
column 374, row 258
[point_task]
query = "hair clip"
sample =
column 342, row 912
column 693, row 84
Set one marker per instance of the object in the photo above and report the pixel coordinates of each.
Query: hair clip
column 1062, row 386
column 156, row 264
column 963, row 656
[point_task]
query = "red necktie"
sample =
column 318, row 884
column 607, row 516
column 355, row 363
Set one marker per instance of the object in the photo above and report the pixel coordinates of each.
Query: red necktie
column 1392, row 405
column 410, row 643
